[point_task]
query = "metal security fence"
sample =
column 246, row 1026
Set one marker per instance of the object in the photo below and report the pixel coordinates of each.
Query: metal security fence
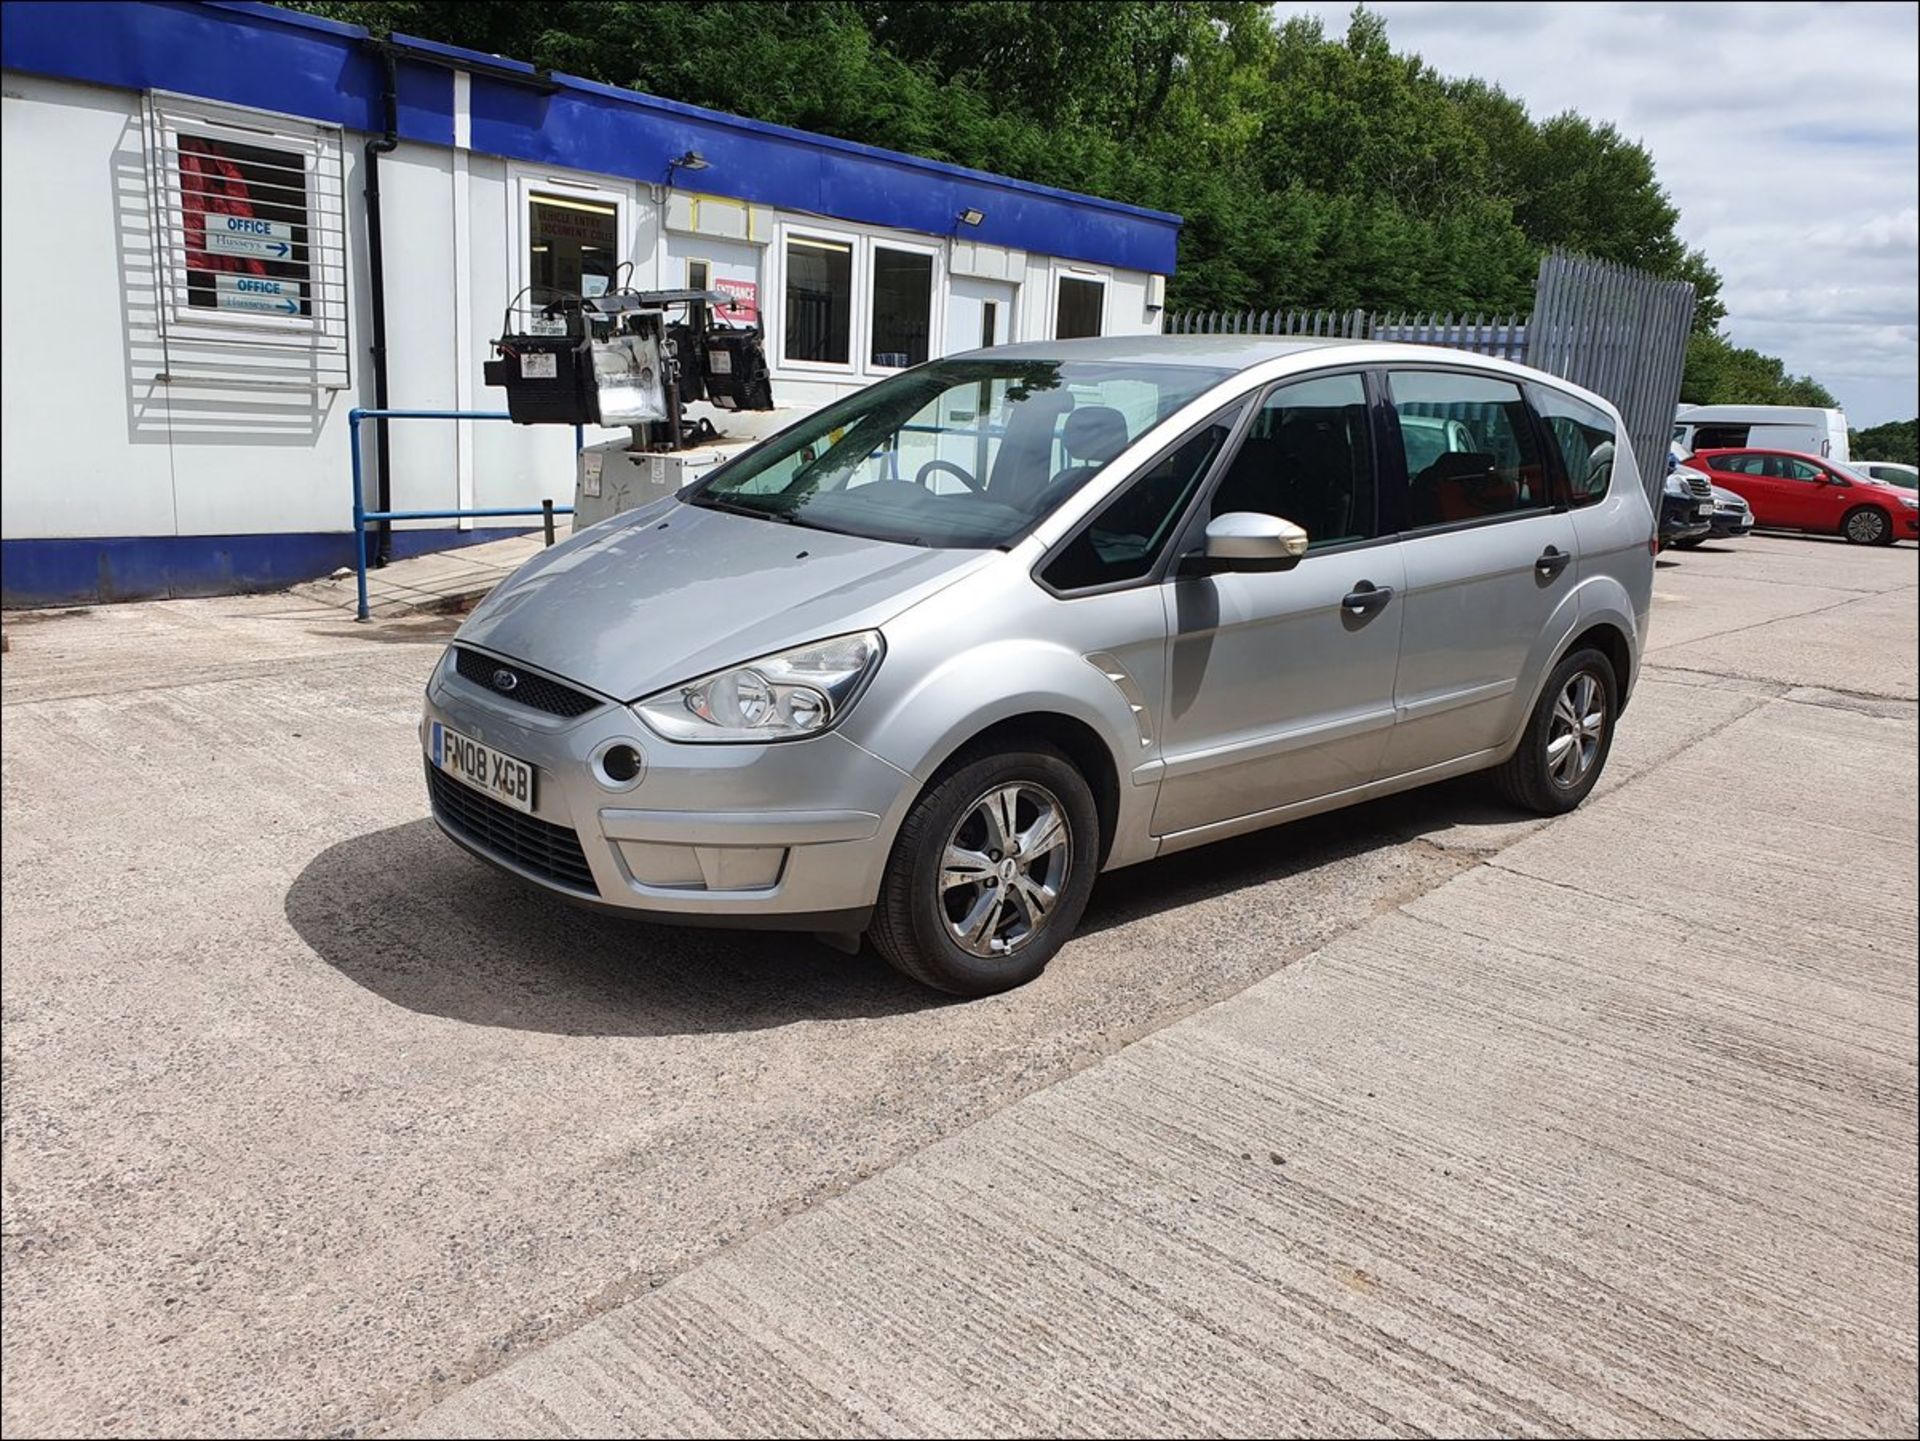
column 1502, row 336
column 1622, row 334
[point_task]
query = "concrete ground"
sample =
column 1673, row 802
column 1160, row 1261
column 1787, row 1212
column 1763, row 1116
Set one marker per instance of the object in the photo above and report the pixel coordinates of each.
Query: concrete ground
column 1416, row 1117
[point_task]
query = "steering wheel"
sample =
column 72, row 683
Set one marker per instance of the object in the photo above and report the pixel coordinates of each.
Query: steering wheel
column 964, row 477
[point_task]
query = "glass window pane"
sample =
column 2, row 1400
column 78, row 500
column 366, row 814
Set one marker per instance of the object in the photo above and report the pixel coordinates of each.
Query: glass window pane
column 1584, row 437
column 573, row 245
column 1475, row 437
column 244, row 217
column 1307, row 459
column 1080, row 305
column 819, row 300
column 902, row 303
column 1125, row 539
column 961, row 452
column 699, row 275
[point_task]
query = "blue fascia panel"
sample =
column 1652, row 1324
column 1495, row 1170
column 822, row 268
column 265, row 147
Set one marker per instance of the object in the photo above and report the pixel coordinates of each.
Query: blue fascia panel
column 256, row 55
column 97, row 569
column 584, row 126
column 252, row 55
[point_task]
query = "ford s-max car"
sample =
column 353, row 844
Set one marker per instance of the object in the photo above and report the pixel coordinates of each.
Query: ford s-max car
column 926, row 662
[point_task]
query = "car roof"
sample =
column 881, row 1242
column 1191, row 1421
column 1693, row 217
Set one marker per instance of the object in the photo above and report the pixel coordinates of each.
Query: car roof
column 1243, row 352
column 1229, row 352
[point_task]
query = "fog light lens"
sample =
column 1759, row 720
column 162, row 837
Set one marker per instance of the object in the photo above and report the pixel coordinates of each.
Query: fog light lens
column 621, row 763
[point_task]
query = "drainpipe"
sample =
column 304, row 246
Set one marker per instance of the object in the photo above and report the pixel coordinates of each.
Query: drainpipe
column 380, row 145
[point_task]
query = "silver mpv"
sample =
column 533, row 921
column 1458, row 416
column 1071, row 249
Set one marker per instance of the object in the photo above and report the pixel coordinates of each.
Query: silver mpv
column 927, row 661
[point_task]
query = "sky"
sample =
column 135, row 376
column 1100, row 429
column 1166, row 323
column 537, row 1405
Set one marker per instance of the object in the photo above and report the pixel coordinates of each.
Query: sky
column 1787, row 134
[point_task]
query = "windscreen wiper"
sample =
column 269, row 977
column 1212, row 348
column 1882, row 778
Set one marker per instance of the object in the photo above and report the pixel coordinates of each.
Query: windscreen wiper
column 734, row 507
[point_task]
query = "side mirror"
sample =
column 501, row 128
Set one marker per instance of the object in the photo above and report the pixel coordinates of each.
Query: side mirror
column 1249, row 540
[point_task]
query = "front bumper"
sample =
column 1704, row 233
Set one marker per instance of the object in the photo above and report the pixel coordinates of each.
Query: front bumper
column 1907, row 523
column 792, row 835
column 1731, row 524
column 1681, row 521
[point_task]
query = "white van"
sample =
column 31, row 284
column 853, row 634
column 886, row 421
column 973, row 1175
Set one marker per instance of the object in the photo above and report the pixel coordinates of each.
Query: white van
column 1807, row 429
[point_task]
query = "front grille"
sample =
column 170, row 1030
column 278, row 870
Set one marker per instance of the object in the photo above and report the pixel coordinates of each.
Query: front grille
column 529, row 842
column 528, row 689
column 1700, row 486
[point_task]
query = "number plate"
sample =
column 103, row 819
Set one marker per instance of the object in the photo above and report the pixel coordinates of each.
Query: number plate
column 1704, row 508
column 485, row 769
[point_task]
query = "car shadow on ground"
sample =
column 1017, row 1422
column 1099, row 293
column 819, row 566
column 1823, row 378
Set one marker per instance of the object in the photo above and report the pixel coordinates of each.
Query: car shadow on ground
column 410, row 917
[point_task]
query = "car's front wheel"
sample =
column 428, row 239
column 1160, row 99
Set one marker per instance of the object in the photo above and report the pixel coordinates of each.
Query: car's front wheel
column 990, row 872
column 1867, row 525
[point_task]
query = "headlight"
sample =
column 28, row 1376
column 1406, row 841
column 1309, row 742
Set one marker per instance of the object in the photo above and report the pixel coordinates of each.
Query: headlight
column 1911, row 502
column 1678, row 478
column 799, row 692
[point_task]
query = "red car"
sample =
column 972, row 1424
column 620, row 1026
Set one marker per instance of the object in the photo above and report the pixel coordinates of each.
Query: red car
column 1791, row 491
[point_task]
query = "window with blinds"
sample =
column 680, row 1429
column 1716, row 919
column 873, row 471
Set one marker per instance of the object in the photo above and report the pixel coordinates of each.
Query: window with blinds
column 249, row 230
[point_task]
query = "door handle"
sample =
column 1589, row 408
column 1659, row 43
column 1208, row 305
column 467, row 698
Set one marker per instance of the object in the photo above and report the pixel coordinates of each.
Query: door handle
column 1552, row 561
column 1366, row 597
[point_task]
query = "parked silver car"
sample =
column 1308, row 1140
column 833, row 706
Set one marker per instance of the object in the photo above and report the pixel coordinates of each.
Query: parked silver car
column 927, row 661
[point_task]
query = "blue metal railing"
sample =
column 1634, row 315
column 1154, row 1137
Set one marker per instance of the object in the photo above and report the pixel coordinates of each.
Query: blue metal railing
column 361, row 515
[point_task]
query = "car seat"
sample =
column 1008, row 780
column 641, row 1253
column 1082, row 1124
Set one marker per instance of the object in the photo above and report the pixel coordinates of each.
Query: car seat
column 1461, row 485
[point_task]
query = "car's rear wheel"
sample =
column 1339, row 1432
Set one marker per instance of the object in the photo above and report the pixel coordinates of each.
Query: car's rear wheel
column 1867, row 525
column 1567, row 738
column 990, row 872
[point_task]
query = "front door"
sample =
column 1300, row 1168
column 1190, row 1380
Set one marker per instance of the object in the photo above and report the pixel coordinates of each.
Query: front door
column 1280, row 685
column 1490, row 566
column 979, row 313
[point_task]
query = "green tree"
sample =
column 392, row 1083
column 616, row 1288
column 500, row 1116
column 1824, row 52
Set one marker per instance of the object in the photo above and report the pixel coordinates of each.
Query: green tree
column 1895, row 440
column 1310, row 171
column 1718, row 372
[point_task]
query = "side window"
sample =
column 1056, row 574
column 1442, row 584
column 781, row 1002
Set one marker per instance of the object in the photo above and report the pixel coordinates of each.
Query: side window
column 1306, row 459
column 1127, row 535
column 1736, row 464
column 902, row 306
column 819, row 300
column 1801, row 470
column 1476, row 438
column 1078, row 308
column 1715, row 437
column 1584, row 438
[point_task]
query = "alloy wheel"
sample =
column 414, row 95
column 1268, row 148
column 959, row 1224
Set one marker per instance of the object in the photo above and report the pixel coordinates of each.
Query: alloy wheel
column 1865, row 526
column 1578, row 725
column 1004, row 866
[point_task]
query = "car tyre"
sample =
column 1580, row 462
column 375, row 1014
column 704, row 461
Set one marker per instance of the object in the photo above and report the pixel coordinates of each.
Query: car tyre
column 936, row 913
column 1567, row 739
column 1867, row 525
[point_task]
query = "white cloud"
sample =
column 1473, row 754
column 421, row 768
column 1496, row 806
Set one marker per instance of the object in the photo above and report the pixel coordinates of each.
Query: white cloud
column 1788, row 135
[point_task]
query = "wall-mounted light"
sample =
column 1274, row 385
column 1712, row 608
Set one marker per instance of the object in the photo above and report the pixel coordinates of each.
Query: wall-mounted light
column 686, row 160
column 970, row 216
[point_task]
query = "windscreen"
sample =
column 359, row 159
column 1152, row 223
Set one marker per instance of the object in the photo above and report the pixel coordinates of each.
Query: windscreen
column 963, row 454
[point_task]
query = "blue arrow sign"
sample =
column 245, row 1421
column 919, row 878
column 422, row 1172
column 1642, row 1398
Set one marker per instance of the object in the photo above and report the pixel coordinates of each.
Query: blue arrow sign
column 225, row 242
column 257, row 293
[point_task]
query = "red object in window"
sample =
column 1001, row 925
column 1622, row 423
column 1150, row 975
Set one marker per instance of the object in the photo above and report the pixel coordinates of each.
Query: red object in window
column 212, row 184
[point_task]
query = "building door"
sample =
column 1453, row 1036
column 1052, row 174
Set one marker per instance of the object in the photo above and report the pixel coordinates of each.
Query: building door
column 979, row 312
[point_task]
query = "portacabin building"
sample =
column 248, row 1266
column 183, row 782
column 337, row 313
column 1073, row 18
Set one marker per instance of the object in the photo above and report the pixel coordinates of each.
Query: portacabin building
column 228, row 225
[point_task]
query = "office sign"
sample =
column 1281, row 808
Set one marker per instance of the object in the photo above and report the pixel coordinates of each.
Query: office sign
column 244, row 235
column 257, row 293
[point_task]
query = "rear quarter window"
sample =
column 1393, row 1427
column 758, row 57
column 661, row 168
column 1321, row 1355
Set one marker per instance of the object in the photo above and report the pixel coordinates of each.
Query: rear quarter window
column 1585, row 442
